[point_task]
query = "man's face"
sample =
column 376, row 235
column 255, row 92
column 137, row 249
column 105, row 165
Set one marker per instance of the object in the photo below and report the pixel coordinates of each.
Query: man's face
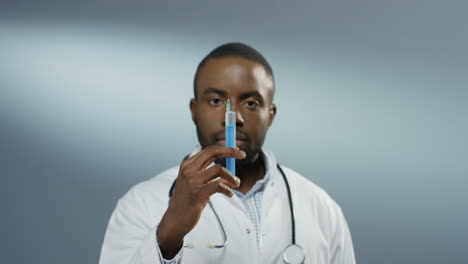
column 250, row 90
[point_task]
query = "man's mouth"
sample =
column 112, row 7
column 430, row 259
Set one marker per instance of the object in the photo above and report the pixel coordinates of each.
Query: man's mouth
column 241, row 139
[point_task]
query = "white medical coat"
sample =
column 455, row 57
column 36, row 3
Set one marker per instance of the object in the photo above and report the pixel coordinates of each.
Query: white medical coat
column 321, row 229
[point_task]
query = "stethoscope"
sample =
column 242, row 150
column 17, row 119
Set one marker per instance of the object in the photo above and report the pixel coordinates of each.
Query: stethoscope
column 292, row 254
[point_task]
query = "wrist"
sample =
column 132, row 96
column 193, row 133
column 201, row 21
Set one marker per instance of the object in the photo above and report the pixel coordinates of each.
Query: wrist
column 168, row 245
column 170, row 239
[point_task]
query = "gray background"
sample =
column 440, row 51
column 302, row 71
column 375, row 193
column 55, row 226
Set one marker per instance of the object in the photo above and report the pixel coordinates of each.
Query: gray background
column 372, row 99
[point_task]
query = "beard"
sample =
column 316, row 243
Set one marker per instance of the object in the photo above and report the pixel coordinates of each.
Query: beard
column 251, row 149
column 250, row 157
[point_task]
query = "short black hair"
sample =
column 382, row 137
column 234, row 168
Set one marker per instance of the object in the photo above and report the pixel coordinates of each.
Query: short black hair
column 233, row 49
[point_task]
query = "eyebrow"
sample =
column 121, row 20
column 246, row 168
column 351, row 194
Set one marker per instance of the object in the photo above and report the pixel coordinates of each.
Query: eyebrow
column 250, row 94
column 216, row 91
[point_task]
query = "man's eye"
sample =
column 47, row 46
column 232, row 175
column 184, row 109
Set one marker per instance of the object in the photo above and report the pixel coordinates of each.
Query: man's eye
column 251, row 104
column 215, row 101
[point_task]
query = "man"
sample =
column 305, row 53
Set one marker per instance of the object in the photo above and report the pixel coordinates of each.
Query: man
column 199, row 213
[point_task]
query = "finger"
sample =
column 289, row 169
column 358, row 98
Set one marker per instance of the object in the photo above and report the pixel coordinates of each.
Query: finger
column 214, row 152
column 185, row 163
column 216, row 186
column 219, row 171
column 191, row 159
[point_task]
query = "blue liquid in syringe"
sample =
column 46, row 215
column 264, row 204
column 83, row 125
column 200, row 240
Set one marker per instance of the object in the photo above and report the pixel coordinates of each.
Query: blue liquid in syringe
column 231, row 142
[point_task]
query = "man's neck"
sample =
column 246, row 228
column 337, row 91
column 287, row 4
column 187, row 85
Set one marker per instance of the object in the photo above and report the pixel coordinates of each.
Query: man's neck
column 250, row 174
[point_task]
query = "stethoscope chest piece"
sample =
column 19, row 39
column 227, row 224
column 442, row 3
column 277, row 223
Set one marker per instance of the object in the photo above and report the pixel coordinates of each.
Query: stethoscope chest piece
column 293, row 254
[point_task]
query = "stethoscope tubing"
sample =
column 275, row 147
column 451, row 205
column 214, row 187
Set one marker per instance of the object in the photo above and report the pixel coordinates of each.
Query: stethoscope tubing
column 291, row 209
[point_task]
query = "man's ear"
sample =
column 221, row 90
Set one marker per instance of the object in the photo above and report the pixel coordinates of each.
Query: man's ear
column 193, row 109
column 272, row 114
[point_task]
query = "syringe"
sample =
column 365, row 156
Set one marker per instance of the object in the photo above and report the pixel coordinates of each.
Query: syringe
column 230, row 120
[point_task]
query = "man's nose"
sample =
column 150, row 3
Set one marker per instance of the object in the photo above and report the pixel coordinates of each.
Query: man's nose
column 239, row 119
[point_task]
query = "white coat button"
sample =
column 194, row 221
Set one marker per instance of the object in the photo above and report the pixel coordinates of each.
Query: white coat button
column 247, row 231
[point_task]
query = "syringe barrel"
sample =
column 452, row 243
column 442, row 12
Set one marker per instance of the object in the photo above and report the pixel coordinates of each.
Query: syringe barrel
column 230, row 120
